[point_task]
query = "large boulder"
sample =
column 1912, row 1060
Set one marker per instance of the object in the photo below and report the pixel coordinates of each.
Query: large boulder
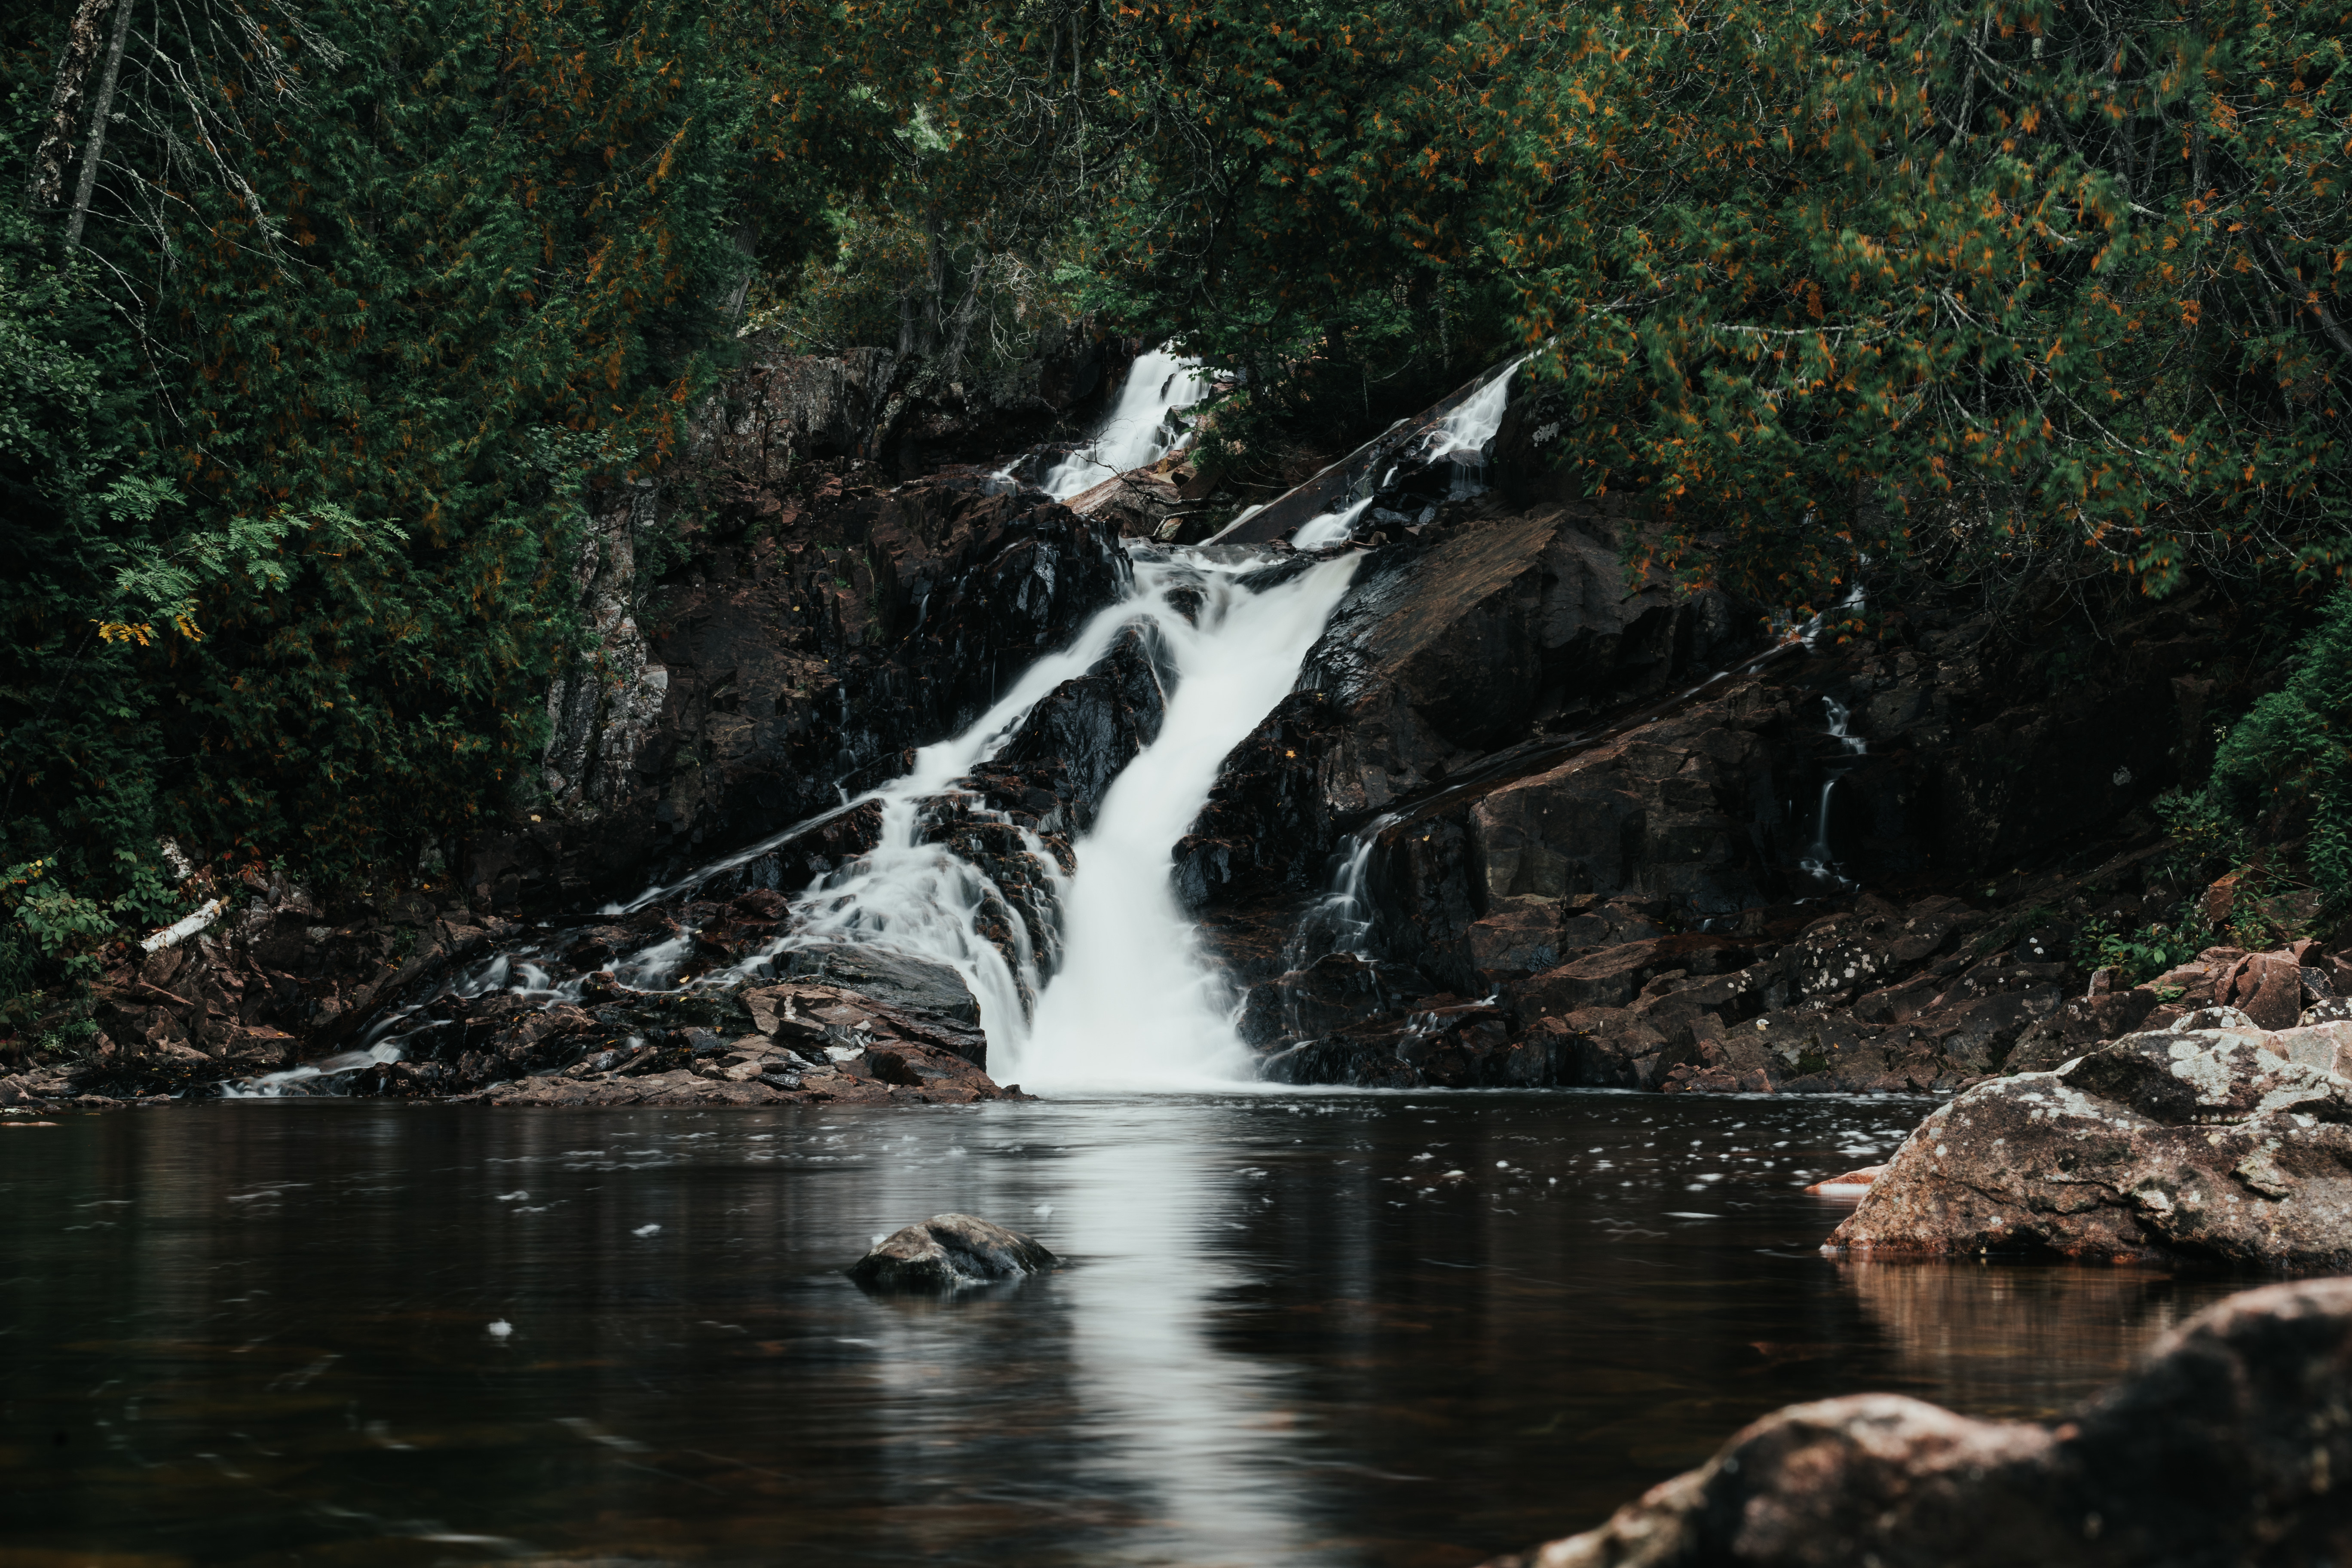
column 2228, row 1446
column 2211, row 1140
column 950, row 1252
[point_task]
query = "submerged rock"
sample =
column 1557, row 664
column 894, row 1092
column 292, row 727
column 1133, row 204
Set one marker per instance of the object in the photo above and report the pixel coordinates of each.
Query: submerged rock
column 949, row 1252
column 2228, row 1446
column 2212, row 1140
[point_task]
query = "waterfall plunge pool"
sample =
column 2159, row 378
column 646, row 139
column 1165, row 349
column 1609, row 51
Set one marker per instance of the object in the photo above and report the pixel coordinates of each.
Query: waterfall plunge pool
column 1318, row 1329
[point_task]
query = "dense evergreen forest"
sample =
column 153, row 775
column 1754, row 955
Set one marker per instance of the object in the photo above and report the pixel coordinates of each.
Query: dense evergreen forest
column 322, row 324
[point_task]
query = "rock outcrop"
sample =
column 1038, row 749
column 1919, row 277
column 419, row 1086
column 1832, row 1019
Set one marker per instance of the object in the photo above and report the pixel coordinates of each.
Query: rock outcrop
column 800, row 655
column 2228, row 1446
column 1491, row 740
column 2209, row 1140
column 951, row 1252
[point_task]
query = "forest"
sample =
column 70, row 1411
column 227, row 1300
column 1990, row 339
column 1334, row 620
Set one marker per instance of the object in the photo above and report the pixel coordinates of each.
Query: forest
column 1338, row 783
column 322, row 325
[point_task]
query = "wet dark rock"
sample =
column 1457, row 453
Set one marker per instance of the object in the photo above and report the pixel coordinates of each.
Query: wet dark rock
column 1084, row 732
column 2211, row 1140
column 1443, row 650
column 1267, row 823
column 951, row 1252
column 792, row 863
column 798, row 658
column 895, row 980
column 1337, row 990
column 1442, row 1043
column 1618, row 974
column 1141, row 504
column 757, row 1071
column 2227, row 1446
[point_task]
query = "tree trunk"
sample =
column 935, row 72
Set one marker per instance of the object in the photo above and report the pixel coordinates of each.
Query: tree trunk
column 49, row 158
column 99, row 112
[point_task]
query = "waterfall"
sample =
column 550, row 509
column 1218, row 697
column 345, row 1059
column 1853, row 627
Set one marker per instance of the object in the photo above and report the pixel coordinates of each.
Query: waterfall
column 1136, row 1002
column 1135, row 435
column 1471, row 426
column 1468, row 428
column 1129, row 1000
column 1817, row 858
column 1331, row 528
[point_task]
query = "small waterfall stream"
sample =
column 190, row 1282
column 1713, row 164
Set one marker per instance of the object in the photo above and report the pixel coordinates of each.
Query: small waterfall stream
column 1135, row 433
column 1818, row 860
column 1468, row 428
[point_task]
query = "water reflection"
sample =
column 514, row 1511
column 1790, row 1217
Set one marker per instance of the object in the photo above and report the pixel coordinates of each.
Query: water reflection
column 2016, row 1341
column 1350, row 1330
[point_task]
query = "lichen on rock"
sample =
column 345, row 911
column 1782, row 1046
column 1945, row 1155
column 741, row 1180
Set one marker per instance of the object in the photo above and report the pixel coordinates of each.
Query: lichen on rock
column 2209, row 1140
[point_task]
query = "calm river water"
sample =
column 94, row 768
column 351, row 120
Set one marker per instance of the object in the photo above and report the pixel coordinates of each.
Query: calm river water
column 1317, row 1329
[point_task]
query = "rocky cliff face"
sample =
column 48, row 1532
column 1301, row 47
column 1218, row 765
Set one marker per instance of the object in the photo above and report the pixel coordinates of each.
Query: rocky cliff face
column 1529, row 817
column 795, row 660
column 816, row 628
column 1805, row 873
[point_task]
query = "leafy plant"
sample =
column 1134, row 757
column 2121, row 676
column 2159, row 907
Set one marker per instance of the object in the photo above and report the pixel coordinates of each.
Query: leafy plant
column 2142, row 954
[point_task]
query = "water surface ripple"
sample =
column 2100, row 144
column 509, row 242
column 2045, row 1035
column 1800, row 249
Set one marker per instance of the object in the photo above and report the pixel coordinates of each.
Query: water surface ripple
column 1350, row 1330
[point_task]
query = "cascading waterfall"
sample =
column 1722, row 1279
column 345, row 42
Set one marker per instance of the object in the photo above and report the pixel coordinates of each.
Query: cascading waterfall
column 1136, row 1004
column 1129, row 1001
column 1135, row 433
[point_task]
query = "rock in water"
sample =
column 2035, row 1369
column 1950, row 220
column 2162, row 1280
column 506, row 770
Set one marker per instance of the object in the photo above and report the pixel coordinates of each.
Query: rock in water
column 2229, row 1446
column 950, row 1251
column 2211, row 1140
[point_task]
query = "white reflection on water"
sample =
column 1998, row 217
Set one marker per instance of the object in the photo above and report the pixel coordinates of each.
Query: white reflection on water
column 1193, row 1449
column 1200, row 1427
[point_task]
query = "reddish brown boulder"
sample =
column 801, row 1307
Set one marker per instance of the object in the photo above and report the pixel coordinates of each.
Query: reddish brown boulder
column 2228, row 1446
column 2267, row 987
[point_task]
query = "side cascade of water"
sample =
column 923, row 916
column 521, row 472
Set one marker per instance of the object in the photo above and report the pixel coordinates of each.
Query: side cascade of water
column 1468, row 428
column 1818, row 861
column 1137, row 432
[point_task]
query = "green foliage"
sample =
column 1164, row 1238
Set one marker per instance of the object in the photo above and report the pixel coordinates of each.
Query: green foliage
column 2142, row 954
column 87, row 509
column 1985, row 283
column 2207, row 840
column 2286, row 767
column 296, row 452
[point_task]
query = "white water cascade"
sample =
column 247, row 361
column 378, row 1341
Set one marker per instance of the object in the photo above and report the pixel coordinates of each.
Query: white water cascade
column 1136, row 1002
column 1466, row 429
column 1130, row 1001
column 1817, row 858
column 1135, row 433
